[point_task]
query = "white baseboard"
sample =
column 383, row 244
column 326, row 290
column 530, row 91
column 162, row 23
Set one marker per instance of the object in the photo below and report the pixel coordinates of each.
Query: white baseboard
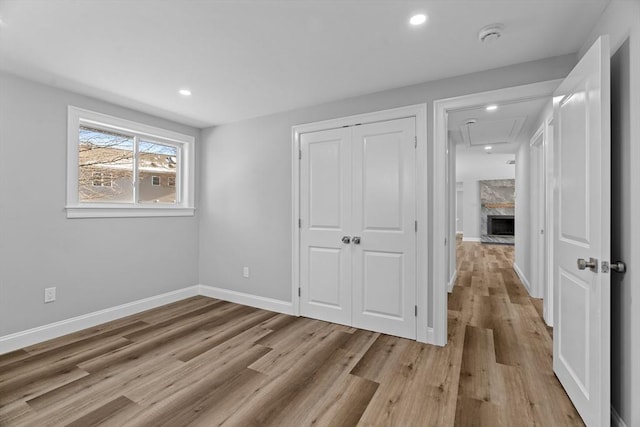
column 54, row 330
column 264, row 303
column 471, row 239
column 57, row 329
column 522, row 277
column 616, row 420
column 452, row 281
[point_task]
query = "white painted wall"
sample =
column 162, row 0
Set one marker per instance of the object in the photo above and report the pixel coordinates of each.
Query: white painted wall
column 94, row 263
column 245, row 215
column 451, row 185
column 621, row 20
column 471, row 211
column 474, row 165
column 523, row 214
column 460, row 208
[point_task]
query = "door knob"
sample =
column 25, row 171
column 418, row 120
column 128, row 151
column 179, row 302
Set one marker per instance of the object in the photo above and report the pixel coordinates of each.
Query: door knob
column 592, row 264
column 356, row 240
column 617, row 266
column 346, row 240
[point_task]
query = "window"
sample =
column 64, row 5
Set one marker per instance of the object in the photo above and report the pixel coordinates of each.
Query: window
column 117, row 168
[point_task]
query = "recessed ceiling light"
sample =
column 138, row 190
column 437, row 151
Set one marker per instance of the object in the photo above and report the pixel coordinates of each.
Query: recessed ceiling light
column 488, row 147
column 418, row 19
column 184, row 92
column 492, row 107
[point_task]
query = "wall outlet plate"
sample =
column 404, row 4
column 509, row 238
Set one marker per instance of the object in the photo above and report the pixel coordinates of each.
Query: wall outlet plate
column 49, row 294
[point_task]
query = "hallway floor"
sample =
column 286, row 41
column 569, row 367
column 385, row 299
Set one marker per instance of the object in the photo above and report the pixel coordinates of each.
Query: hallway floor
column 506, row 374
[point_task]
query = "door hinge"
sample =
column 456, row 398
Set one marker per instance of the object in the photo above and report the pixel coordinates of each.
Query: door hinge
column 415, row 142
column 300, row 154
column 415, row 310
column 299, row 292
column 416, row 225
column 299, row 222
column 445, row 241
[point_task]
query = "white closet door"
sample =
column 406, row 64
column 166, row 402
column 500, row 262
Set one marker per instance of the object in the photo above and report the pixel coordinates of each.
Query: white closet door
column 384, row 262
column 325, row 210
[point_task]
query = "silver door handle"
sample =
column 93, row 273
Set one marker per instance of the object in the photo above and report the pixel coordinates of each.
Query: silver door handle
column 592, row 264
column 356, row 240
column 619, row 267
column 346, row 239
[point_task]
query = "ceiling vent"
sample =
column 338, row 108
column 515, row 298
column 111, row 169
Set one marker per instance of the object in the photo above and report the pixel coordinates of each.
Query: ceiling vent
column 491, row 132
column 490, row 33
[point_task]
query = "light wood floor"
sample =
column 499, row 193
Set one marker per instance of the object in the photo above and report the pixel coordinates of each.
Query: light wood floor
column 208, row 362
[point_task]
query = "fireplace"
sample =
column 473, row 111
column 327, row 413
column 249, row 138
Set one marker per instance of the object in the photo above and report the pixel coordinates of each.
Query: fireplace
column 500, row 225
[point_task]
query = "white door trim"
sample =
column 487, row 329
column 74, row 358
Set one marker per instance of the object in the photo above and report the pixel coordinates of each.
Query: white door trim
column 548, row 232
column 537, row 174
column 418, row 111
column 439, row 212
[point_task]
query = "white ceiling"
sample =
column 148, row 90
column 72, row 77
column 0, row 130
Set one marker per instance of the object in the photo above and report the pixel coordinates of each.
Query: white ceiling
column 243, row 59
column 517, row 120
column 503, row 129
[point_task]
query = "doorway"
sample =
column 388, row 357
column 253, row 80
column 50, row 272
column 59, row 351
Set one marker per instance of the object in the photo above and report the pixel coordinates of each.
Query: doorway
column 443, row 191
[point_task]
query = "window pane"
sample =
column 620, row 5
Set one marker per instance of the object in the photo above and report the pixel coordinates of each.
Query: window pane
column 105, row 162
column 157, row 167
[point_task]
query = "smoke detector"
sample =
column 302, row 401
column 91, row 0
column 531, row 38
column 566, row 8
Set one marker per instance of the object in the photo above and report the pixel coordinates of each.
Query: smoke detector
column 490, row 33
column 470, row 122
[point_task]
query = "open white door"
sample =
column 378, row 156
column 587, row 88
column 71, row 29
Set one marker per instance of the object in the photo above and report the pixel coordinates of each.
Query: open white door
column 581, row 336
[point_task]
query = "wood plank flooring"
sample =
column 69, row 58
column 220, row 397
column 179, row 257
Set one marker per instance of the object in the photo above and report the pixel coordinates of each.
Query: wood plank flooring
column 205, row 362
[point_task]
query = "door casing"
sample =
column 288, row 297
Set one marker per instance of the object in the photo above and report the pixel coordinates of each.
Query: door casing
column 440, row 210
column 419, row 112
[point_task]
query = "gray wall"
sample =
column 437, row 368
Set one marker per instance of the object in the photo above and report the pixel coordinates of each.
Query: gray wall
column 471, row 210
column 451, row 199
column 460, row 208
column 94, row 263
column 245, row 217
column 621, row 21
column 523, row 211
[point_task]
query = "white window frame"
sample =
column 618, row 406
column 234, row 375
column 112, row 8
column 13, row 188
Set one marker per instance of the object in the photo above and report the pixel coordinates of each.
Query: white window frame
column 153, row 179
column 185, row 180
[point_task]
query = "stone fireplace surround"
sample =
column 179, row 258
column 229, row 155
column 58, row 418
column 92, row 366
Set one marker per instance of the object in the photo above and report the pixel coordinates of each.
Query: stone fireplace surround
column 497, row 198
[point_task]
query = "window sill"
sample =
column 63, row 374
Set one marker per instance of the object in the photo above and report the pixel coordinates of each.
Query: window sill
column 127, row 211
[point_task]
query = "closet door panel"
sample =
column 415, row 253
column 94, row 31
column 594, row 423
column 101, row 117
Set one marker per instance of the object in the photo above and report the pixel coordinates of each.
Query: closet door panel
column 383, row 203
column 325, row 210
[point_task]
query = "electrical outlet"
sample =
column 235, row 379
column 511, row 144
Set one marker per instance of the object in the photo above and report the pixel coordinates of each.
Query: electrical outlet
column 245, row 272
column 49, row 294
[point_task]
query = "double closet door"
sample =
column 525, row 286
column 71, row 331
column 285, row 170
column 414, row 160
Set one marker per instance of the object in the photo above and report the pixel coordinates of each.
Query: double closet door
column 358, row 229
